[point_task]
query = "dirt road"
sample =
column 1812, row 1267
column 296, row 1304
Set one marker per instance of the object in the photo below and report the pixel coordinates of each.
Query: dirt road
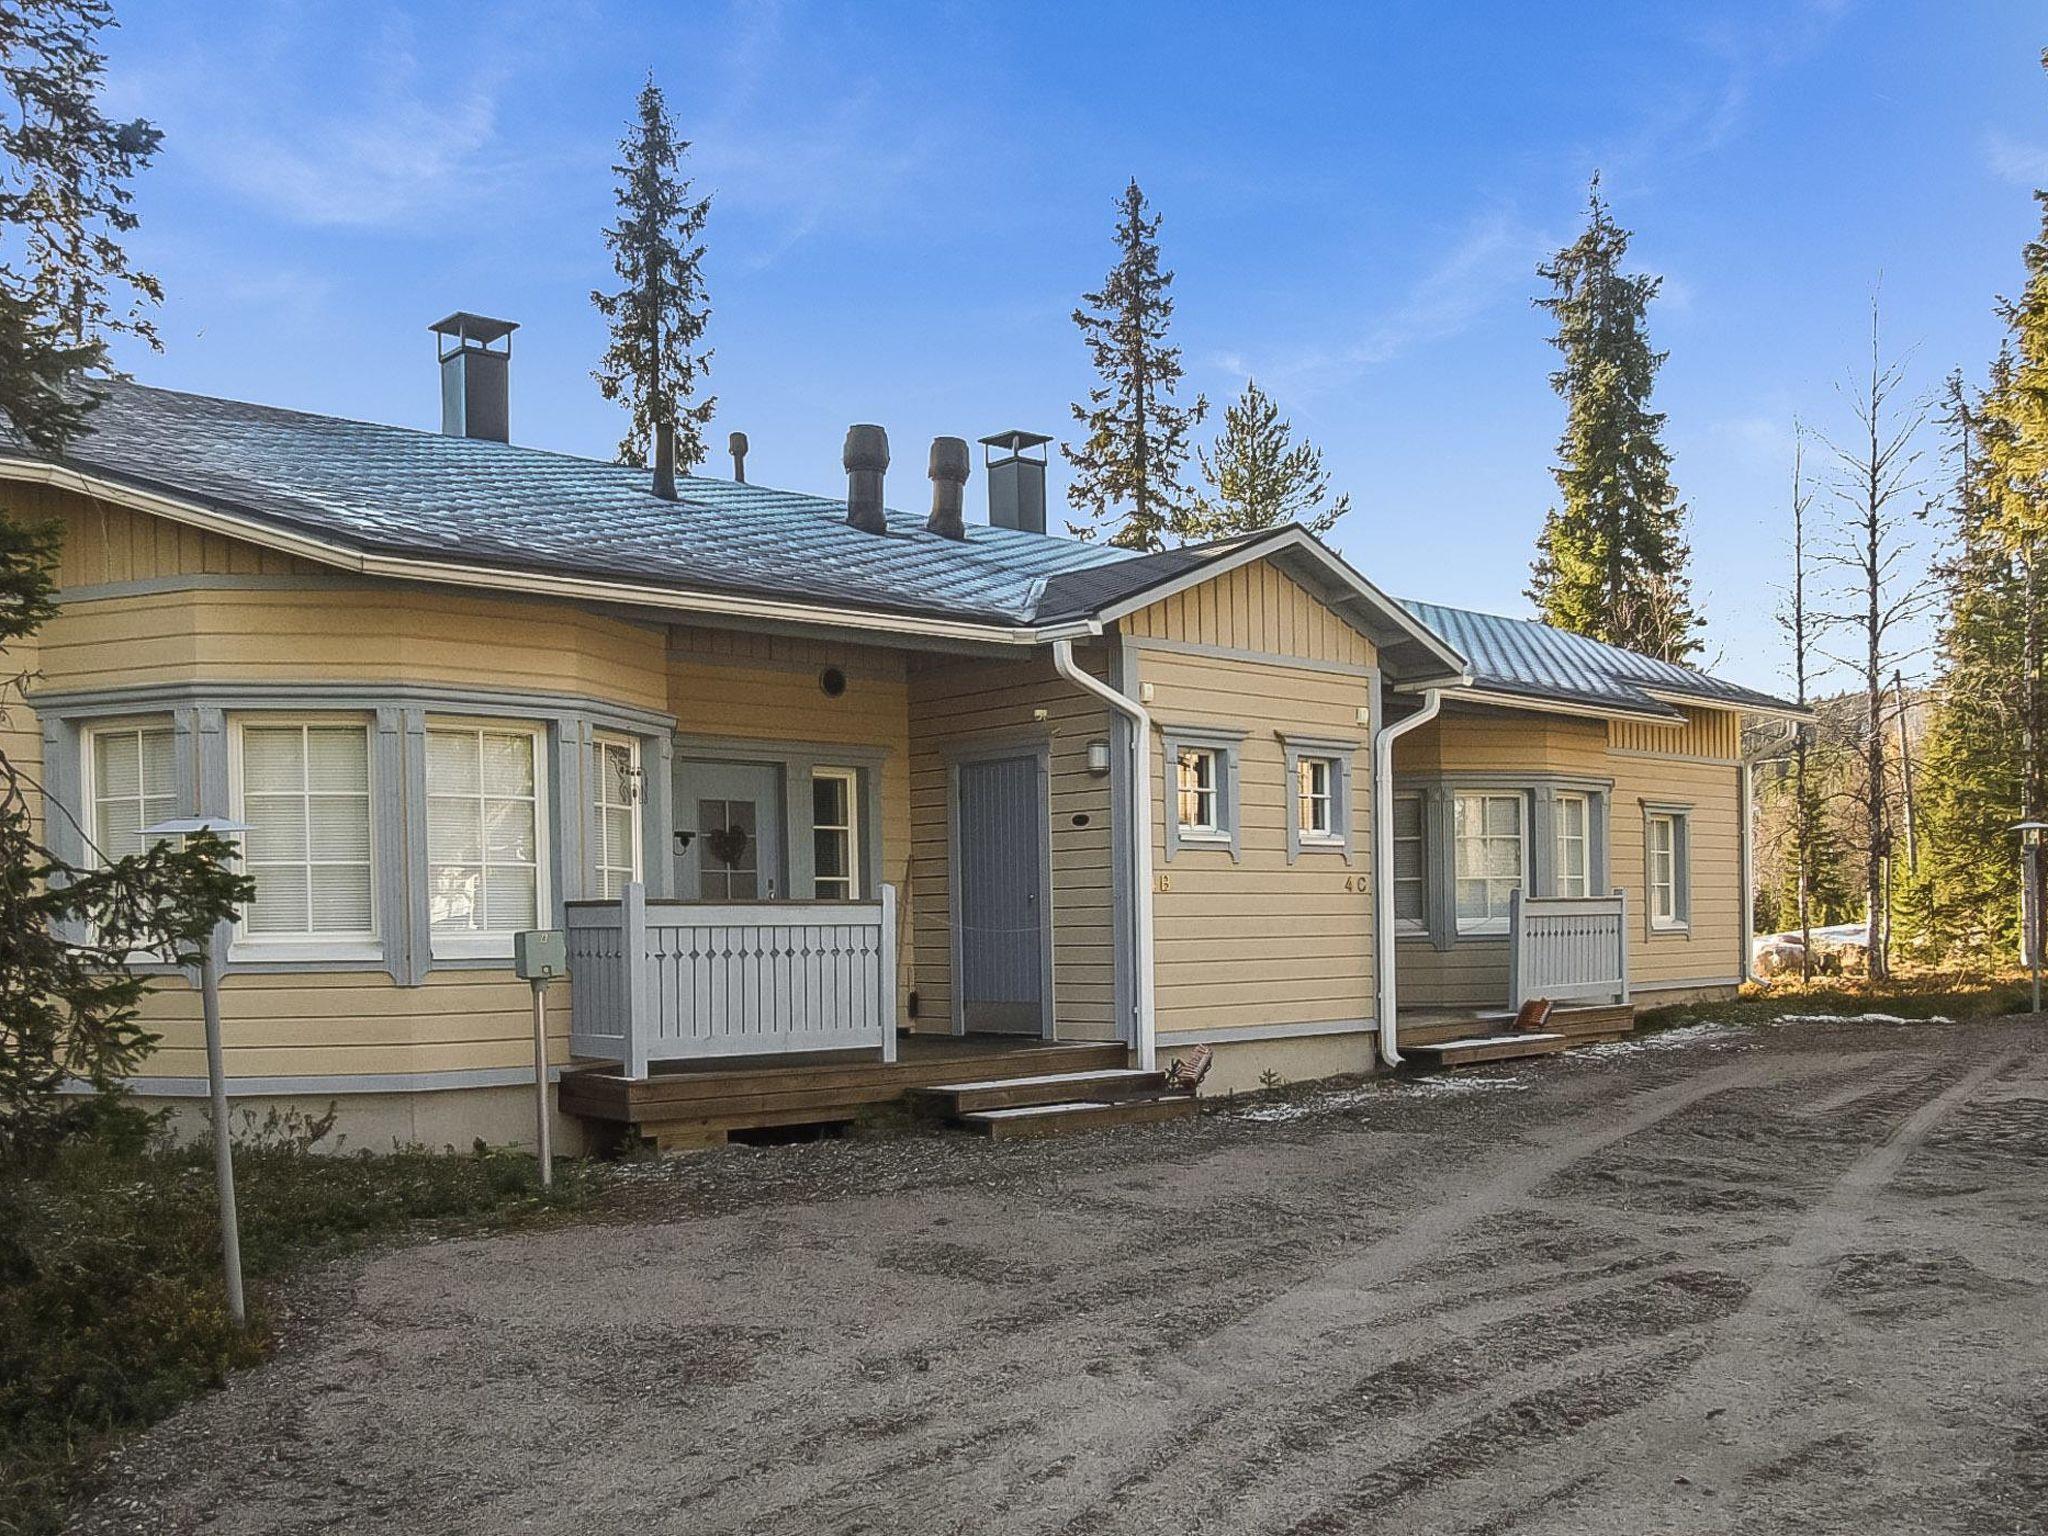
column 1765, row 1280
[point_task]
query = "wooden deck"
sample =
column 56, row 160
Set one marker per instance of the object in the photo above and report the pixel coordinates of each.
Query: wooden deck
column 697, row 1104
column 1582, row 1025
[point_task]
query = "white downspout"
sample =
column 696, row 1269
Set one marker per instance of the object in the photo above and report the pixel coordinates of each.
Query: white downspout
column 1141, row 825
column 1383, row 864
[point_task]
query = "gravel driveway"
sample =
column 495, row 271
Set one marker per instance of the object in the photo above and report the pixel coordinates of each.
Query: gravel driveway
column 1723, row 1279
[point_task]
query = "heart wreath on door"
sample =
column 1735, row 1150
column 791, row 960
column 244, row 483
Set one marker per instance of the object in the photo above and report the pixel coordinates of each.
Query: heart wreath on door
column 728, row 845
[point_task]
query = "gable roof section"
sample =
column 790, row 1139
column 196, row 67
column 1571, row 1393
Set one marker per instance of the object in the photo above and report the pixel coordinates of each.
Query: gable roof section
column 1521, row 658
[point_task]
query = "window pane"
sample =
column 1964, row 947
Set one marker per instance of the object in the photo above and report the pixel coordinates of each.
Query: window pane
column 509, row 899
column 273, row 760
column 454, row 830
column 508, row 764
column 120, row 828
column 281, row 904
column 340, row 827
column 119, row 768
column 451, row 901
column 1472, row 899
column 508, row 831
column 828, row 802
column 1408, row 900
column 452, row 763
column 1504, row 815
column 159, row 763
column 1408, row 816
column 277, row 827
column 618, row 837
column 829, row 854
column 338, row 759
column 341, row 898
column 1407, row 859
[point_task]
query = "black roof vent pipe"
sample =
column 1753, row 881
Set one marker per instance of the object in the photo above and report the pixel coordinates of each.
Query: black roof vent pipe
column 737, row 442
column 949, row 465
column 866, row 457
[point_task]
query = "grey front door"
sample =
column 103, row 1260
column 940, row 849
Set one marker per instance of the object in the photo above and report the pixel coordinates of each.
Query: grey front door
column 732, row 815
column 1001, row 917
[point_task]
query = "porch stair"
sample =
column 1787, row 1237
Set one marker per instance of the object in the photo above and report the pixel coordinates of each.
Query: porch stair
column 1473, row 1050
column 1474, row 1039
column 1056, row 1103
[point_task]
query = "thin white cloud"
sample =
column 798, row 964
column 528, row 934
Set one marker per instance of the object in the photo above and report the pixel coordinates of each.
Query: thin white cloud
column 1491, row 261
column 2025, row 165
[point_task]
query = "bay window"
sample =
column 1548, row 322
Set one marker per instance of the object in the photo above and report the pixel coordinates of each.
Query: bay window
column 1411, row 866
column 486, row 836
column 303, row 788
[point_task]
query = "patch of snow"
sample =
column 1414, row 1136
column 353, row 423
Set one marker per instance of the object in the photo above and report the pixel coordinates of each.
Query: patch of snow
column 1857, row 1018
column 1675, row 1038
column 1340, row 1099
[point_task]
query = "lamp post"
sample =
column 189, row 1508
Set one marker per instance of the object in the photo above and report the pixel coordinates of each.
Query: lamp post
column 216, row 1074
column 2030, row 898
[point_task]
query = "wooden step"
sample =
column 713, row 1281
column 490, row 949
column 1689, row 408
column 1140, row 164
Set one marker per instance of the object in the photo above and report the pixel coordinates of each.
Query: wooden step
column 955, row 1099
column 1474, row 1049
column 1028, row 1120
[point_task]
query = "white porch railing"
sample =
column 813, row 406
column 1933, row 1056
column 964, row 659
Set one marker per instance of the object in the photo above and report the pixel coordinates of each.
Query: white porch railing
column 1567, row 948
column 678, row 980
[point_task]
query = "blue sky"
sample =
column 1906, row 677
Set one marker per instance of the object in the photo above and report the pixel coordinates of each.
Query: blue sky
column 908, row 198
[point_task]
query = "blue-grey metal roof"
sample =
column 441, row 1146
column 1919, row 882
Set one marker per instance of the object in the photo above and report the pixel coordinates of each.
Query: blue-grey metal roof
column 399, row 491
column 1522, row 656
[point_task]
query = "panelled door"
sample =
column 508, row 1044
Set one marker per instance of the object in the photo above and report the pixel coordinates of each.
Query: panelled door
column 733, row 815
column 1001, row 916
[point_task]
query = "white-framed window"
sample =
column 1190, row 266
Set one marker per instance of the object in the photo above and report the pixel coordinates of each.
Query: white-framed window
column 1489, row 848
column 1198, row 776
column 303, row 787
column 1315, row 796
column 1411, row 865
column 486, row 835
column 1574, row 824
column 615, row 803
column 835, row 841
column 1666, row 875
column 131, row 774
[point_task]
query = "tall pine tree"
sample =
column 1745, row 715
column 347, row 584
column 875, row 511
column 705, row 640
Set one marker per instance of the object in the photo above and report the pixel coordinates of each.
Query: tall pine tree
column 1260, row 476
column 1979, row 771
column 657, row 318
column 1127, row 467
column 1612, row 558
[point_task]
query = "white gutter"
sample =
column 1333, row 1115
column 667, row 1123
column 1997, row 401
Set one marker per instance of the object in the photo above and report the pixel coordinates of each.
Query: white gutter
column 1383, row 865
column 1141, row 828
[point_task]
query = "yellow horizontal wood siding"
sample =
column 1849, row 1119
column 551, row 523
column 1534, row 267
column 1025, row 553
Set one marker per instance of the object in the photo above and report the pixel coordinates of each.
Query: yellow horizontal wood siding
column 1256, row 941
column 107, row 544
column 768, row 688
column 1647, row 764
column 354, row 1023
column 1257, row 607
column 958, row 705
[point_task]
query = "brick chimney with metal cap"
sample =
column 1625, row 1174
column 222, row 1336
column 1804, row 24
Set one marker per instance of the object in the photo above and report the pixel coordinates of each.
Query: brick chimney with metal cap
column 476, row 384
column 866, row 457
column 949, row 467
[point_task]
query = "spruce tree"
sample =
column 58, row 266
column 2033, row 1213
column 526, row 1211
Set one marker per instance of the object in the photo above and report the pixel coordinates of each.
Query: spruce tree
column 1612, row 559
column 657, row 318
column 1127, row 466
column 1261, row 477
column 69, row 1002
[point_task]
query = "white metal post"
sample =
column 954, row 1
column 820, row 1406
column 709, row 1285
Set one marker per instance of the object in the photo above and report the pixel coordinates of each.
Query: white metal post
column 223, row 1147
column 541, row 1130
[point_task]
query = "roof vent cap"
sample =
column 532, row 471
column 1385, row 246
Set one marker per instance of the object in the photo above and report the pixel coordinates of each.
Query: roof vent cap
column 866, row 459
column 1015, row 462
column 476, row 387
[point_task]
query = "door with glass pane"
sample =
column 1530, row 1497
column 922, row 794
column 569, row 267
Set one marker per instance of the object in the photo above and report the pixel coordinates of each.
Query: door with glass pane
column 732, row 815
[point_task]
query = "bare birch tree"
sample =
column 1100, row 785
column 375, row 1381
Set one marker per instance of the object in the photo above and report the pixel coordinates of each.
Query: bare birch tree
column 1799, row 624
column 1883, row 592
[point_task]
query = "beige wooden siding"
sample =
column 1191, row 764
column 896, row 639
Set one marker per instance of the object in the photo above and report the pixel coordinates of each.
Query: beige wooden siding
column 726, row 683
column 1257, row 941
column 1256, row 607
column 959, row 705
column 351, row 1023
column 1708, row 733
column 1646, row 763
column 107, row 544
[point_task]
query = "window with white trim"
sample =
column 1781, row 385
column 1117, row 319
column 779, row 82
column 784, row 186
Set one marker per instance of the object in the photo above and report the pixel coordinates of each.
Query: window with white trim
column 1315, row 795
column 835, row 842
column 1411, row 866
column 486, row 836
column 303, row 787
column 1667, row 876
column 615, row 800
column 1574, row 818
column 1491, row 857
column 133, row 783
column 1199, row 777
